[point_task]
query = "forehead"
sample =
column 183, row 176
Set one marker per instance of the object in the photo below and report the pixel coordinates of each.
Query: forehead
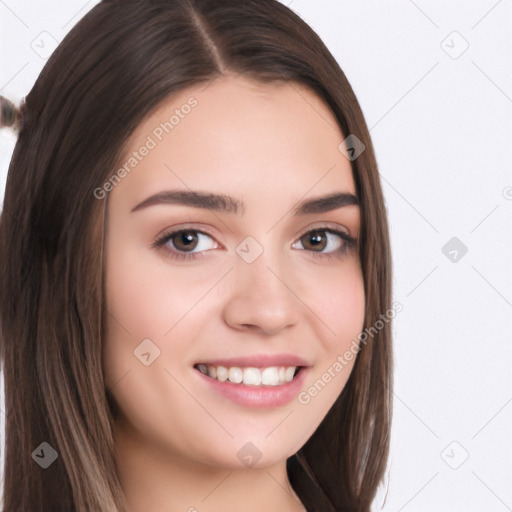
column 238, row 136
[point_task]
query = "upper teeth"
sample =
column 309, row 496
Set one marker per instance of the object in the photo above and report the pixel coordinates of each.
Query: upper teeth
column 270, row 376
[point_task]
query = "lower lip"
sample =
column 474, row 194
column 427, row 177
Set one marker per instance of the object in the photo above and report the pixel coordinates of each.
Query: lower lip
column 258, row 396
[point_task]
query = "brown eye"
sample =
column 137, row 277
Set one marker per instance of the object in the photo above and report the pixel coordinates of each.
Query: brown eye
column 314, row 240
column 326, row 243
column 185, row 244
column 184, row 240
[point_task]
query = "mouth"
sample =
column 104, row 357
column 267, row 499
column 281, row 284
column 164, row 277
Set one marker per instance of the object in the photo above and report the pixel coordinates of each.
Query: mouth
column 271, row 376
column 257, row 380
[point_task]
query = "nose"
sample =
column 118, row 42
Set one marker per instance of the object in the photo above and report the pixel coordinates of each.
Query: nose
column 261, row 298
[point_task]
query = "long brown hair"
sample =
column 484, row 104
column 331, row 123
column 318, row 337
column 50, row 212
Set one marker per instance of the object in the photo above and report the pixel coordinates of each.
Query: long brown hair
column 119, row 63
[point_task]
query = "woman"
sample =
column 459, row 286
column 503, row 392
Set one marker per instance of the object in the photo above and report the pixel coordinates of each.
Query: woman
column 142, row 375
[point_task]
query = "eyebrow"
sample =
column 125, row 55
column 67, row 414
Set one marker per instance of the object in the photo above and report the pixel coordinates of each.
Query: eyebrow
column 228, row 204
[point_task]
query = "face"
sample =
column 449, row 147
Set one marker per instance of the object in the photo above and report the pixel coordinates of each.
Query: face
column 222, row 266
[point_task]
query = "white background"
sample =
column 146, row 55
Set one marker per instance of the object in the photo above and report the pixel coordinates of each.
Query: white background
column 441, row 124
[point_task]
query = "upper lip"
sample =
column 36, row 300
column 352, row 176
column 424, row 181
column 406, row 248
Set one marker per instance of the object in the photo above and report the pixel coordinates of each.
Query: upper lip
column 258, row 360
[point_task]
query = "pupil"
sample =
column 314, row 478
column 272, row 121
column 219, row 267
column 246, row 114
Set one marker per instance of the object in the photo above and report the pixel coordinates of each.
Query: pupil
column 187, row 238
column 317, row 239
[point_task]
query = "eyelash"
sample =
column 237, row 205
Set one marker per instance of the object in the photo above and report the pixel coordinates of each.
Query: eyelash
column 348, row 244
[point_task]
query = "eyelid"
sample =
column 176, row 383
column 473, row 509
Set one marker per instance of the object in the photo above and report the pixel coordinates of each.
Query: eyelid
column 186, row 227
column 326, row 225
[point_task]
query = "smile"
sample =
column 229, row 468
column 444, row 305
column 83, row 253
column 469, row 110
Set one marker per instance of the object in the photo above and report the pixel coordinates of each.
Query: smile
column 250, row 376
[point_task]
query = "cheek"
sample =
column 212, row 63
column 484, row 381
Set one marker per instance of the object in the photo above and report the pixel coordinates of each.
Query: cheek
column 338, row 299
column 135, row 310
column 340, row 305
column 146, row 297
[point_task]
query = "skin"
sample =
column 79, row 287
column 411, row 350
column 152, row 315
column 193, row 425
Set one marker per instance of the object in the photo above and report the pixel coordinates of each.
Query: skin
column 177, row 439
